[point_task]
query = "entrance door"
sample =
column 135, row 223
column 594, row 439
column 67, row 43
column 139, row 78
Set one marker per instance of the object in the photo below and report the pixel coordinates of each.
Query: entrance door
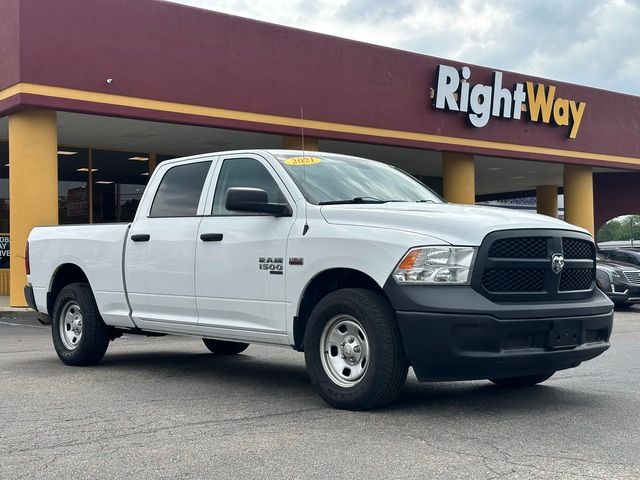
column 160, row 250
column 240, row 258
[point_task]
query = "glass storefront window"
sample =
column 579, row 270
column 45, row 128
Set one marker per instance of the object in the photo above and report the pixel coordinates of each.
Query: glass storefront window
column 73, row 177
column 118, row 181
column 94, row 185
column 162, row 158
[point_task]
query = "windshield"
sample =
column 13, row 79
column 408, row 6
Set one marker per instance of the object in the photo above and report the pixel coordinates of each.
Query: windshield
column 331, row 179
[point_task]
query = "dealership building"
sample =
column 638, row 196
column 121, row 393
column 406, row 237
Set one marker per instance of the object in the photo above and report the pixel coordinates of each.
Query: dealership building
column 94, row 95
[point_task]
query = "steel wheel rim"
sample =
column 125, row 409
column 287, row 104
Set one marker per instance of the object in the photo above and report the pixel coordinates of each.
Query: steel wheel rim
column 344, row 350
column 71, row 325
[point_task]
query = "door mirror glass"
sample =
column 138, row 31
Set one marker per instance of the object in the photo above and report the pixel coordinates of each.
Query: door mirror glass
column 254, row 200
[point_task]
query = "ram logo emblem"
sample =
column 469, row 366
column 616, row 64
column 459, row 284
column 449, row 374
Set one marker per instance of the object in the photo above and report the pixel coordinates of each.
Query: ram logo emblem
column 557, row 262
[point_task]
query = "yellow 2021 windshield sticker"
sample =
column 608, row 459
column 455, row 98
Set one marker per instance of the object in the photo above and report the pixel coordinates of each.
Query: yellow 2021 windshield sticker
column 302, row 161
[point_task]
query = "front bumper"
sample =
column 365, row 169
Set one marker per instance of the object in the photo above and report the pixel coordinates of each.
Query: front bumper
column 453, row 333
column 624, row 293
column 467, row 347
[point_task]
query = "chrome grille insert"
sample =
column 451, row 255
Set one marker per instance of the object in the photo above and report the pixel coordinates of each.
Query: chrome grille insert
column 632, row 277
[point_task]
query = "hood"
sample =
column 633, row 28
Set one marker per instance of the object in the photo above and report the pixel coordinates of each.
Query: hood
column 450, row 223
column 613, row 265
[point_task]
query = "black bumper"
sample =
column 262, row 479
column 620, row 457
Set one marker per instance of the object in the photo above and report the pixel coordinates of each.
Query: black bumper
column 28, row 295
column 623, row 293
column 453, row 333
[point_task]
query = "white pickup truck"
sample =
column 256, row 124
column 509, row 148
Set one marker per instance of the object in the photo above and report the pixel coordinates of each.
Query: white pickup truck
column 352, row 261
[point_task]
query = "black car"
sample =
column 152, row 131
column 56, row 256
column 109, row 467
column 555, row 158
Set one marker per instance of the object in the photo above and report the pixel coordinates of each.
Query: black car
column 624, row 255
column 620, row 281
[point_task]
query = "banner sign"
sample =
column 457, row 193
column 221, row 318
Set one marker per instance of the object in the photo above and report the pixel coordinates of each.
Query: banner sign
column 4, row 250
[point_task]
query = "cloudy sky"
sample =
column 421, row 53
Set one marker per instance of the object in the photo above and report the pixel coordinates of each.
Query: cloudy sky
column 591, row 42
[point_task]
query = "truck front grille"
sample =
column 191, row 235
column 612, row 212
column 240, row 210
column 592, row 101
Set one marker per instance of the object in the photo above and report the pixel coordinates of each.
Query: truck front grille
column 573, row 279
column 632, row 277
column 576, row 248
column 513, row 280
column 516, row 265
column 519, row 247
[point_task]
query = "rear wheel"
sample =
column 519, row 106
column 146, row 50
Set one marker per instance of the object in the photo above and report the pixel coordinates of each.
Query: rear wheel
column 80, row 336
column 221, row 347
column 524, row 381
column 353, row 350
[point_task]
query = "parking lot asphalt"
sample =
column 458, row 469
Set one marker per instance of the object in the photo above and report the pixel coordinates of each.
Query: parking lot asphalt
column 166, row 408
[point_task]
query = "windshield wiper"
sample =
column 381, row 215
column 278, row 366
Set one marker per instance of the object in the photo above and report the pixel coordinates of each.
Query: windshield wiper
column 425, row 201
column 355, row 200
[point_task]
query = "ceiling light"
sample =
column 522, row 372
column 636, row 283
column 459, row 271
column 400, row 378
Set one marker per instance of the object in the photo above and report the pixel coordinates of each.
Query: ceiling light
column 145, row 174
column 84, row 169
column 66, row 152
column 495, row 168
column 139, row 159
column 517, row 177
column 6, row 164
column 104, row 182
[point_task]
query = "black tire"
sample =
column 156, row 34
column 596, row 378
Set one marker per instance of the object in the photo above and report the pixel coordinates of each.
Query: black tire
column 95, row 336
column 387, row 363
column 221, row 347
column 524, row 381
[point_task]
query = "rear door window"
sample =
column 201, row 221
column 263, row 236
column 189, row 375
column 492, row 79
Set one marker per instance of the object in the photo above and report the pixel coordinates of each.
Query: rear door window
column 179, row 192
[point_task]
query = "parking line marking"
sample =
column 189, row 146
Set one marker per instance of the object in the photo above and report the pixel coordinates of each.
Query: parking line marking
column 22, row 325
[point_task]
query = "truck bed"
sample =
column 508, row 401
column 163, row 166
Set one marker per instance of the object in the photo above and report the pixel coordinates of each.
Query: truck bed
column 97, row 249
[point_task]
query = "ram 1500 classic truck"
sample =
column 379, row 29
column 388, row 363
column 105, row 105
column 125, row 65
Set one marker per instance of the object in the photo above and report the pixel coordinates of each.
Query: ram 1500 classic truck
column 351, row 261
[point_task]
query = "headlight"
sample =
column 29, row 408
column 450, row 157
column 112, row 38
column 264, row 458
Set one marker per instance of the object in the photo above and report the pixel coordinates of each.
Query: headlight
column 610, row 273
column 436, row 265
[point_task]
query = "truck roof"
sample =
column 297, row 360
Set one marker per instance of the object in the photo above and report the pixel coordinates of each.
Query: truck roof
column 272, row 151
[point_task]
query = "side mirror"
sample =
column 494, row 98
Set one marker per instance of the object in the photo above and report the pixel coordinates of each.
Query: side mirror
column 254, row 200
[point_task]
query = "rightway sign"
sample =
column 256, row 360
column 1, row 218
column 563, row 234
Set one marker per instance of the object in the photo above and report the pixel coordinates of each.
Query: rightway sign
column 4, row 250
column 454, row 92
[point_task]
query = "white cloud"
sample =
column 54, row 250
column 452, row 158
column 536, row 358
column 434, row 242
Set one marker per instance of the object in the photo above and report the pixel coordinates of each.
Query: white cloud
column 591, row 42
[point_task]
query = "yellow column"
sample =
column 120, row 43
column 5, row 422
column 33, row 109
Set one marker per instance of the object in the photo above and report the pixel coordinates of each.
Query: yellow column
column 33, row 185
column 458, row 177
column 295, row 143
column 547, row 200
column 578, row 196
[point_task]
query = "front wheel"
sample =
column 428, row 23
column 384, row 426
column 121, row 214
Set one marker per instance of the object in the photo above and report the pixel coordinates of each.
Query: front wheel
column 80, row 336
column 221, row 347
column 353, row 350
column 524, row 381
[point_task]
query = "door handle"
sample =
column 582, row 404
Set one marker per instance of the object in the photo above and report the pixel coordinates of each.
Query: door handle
column 211, row 237
column 141, row 237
